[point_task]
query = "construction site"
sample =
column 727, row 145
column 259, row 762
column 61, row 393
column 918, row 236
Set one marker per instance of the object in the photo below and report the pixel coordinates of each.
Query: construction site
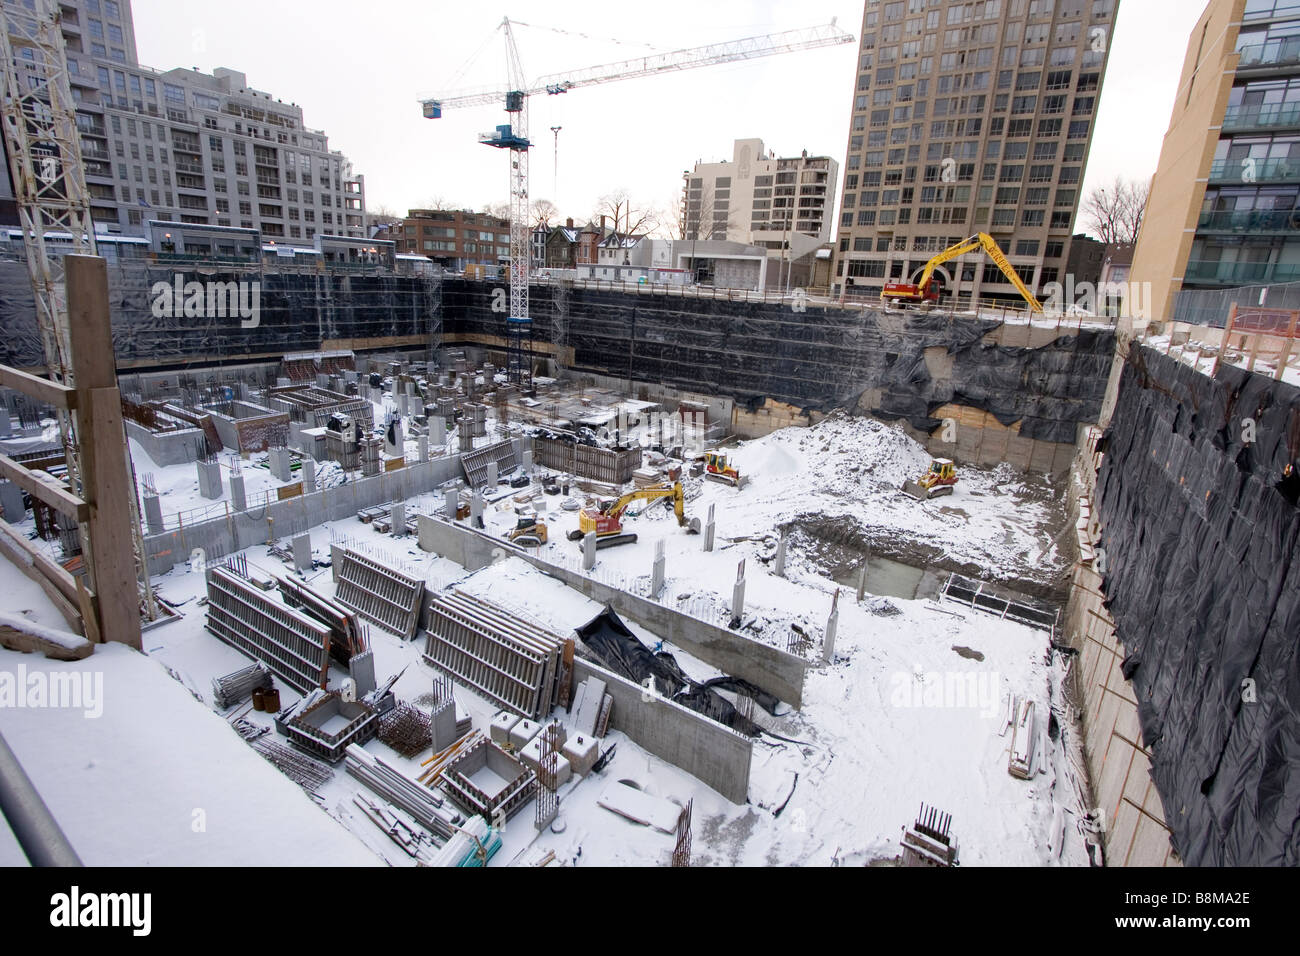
column 630, row 575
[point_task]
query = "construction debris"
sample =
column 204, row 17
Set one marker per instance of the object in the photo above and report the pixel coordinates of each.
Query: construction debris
column 309, row 774
column 406, row 729
column 426, row 808
column 236, row 687
column 927, row 842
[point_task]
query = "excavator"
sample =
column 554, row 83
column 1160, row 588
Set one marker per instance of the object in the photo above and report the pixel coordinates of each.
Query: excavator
column 607, row 520
column 929, row 288
column 938, row 481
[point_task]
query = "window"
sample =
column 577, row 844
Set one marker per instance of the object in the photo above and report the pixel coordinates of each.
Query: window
column 1027, row 247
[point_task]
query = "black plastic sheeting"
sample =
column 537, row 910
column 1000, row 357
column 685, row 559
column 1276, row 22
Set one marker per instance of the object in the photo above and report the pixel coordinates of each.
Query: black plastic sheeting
column 1201, row 531
column 621, row 652
column 820, row 359
column 297, row 312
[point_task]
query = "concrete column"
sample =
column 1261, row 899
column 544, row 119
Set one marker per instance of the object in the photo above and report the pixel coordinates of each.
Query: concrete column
column 465, row 431
column 476, row 510
column 397, row 515
column 153, row 519
column 238, row 500
column 527, row 462
column 302, row 552
column 410, row 388
column 589, row 551
column 11, row 500
column 862, row 580
column 657, row 571
column 295, row 435
column 209, row 479
column 308, row 474
column 438, row 431
column 779, row 561
column 422, row 446
column 709, row 528
column 279, row 461
column 349, row 377
column 451, row 503
column 442, row 722
column 492, row 475
column 738, row 596
column 361, row 667
column 832, row 625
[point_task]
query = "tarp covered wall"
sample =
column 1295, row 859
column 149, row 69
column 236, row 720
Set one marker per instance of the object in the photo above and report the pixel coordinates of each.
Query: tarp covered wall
column 297, row 311
column 819, row 359
column 1200, row 532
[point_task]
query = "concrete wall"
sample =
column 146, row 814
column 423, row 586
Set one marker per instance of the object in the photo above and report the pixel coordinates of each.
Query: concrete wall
column 704, row 748
column 169, row 448
column 775, row 671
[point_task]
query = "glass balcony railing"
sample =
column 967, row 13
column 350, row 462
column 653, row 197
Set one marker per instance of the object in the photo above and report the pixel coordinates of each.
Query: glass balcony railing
column 1239, row 273
column 1272, row 116
column 1253, row 220
column 1281, row 52
column 1251, row 170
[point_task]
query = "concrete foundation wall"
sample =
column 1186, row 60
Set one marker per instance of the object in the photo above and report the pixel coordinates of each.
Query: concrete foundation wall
column 705, row 749
column 775, row 671
column 168, row 448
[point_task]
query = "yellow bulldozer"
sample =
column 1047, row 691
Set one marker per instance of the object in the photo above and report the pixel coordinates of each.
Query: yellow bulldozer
column 937, row 481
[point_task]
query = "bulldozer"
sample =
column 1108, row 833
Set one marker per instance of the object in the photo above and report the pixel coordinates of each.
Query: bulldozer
column 937, row 481
column 607, row 520
column 529, row 532
column 716, row 468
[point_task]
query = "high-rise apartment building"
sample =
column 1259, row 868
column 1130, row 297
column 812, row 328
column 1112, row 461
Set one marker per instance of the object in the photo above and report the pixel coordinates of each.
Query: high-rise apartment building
column 1225, row 201
column 193, row 147
column 781, row 204
column 454, row 238
column 969, row 116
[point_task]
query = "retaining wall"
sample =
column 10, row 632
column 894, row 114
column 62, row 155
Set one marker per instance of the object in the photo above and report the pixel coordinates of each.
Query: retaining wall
column 704, row 748
column 169, row 448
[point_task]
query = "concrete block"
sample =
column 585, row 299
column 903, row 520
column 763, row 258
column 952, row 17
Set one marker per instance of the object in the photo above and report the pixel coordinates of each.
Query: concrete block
column 11, row 501
column 209, row 479
column 280, row 460
column 502, row 724
column 397, row 515
column 302, row 552
column 450, row 503
column 308, row 474
column 153, row 519
column 361, row 667
column 522, row 733
column 238, row 499
column 581, row 752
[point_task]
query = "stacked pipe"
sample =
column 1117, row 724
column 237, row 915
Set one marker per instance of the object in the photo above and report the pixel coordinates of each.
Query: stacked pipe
column 236, row 687
column 428, row 809
column 309, row 774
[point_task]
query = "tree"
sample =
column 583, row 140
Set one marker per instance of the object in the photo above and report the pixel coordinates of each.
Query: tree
column 499, row 209
column 1115, row 212
column 382, row 215
column 439, row 204
column 545, row 212
column 624, row 216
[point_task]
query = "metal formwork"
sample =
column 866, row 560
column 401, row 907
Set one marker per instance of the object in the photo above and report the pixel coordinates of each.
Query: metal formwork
column 510, row 662
column 475, row 463
column 519, row 789
column 608, row 465
column 379, row 594
column 291, row 644
column 304, row 729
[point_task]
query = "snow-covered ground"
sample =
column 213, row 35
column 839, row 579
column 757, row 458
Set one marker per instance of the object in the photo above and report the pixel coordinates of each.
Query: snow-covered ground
column 909, row 712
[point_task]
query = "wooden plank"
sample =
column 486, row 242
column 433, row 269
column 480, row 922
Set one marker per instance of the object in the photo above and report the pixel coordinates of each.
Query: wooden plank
column 46, row 487
column 105, row 470
column 57, row 583
column 52, row 393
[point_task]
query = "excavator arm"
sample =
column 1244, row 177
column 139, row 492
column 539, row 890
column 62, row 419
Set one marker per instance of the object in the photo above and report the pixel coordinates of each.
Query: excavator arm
column 993, row 251
column 652, row 493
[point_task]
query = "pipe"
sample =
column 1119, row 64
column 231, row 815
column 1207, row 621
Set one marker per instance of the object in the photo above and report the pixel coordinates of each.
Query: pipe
column 30, row 819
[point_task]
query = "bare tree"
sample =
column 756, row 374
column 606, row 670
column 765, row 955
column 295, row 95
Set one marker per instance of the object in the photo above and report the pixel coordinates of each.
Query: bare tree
column 499, row 209
column 544, row 212
column 1115, row 212
column 439, row 204
column 383, row 215
column 624, row 216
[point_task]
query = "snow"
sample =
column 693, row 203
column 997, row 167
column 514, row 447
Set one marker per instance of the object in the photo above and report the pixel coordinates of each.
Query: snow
column 54, row 635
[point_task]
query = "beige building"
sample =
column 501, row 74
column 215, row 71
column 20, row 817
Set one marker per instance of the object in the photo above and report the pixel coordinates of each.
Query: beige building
column 969, row 116
column 1225, row 201
column 781, row 204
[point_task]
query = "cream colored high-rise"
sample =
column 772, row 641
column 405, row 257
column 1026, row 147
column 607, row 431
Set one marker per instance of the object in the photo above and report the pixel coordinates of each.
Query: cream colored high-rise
column 969, row 116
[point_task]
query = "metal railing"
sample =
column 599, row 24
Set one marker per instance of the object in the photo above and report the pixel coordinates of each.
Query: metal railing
column 1252, row 170
column 1241, row 273
column 1268, row 116
column 35, row 828
column 1281, row 52
column 1251, row 220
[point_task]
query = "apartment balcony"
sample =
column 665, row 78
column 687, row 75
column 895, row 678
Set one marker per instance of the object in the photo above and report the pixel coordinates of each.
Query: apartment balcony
column 1239, row 119
column 182, row 166
column 1250, row 221
column 1239, row 273
column 1249, row 171
column 1274, row 54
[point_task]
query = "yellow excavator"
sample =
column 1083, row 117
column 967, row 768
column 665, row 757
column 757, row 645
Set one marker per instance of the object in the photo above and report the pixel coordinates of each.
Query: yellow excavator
column 929, row 287
column 607, row 520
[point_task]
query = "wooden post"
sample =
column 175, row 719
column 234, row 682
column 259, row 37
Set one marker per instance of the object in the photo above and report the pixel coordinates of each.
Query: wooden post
column 1232, row 320
column 1285, row 355
column 105, row 470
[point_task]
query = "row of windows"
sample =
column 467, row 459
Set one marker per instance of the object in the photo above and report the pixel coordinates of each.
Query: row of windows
column 957, row 215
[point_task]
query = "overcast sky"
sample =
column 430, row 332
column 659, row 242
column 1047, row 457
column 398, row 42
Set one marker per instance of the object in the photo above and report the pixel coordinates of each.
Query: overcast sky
column 359, row 70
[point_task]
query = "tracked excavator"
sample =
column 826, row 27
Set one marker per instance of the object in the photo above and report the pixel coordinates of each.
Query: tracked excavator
column 929, row 288
column 607, row 520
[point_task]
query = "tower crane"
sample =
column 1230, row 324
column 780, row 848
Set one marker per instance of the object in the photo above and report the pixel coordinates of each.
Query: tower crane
column 513, row 135
column 39, row 121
